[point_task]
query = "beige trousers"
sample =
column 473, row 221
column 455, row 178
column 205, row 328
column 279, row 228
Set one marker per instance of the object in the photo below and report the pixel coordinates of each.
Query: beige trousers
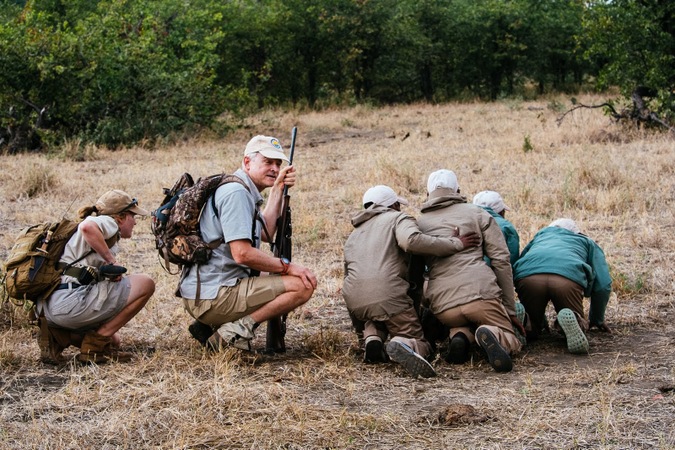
column 405, row 326
column 488, row 312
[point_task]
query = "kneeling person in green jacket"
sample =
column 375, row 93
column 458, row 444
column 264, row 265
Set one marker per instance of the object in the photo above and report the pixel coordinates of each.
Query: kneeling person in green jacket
column 563, row 266
column 493, row 203
column 376, row 258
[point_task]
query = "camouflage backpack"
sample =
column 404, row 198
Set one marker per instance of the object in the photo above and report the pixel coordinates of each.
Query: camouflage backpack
column 175, row 224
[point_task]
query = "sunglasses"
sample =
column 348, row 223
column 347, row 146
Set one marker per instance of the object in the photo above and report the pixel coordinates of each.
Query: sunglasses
column 134, row 202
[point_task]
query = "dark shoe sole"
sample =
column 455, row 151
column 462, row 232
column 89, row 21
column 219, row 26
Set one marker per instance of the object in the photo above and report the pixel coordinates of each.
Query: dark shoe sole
column 413, row 363
column 458, row 352
column 499, row 358
column 375, row 352
column 200, row 331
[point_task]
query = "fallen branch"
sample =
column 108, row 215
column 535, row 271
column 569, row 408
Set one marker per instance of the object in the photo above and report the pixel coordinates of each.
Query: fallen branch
column 640, row 113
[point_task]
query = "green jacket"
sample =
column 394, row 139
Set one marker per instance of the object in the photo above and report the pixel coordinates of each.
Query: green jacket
column 573, row 256
column 510, row 235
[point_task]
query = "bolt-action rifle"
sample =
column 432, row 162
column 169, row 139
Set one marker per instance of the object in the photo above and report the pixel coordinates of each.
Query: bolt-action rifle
column 282, row 247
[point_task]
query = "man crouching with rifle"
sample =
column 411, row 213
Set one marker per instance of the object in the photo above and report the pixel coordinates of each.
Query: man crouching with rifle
column 227, row 296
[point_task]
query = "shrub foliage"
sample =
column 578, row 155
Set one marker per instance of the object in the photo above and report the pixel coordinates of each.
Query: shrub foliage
column 123, row 72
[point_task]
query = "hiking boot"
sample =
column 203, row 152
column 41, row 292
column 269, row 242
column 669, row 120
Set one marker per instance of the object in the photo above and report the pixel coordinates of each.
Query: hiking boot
column 412, row 362
column 374, row 351
column 98, row 349
column 497, row 355
column 576, row 339
column 458, row 351
column 52, row 342
column 521, row 315
column 238, row 334
column 200, row 331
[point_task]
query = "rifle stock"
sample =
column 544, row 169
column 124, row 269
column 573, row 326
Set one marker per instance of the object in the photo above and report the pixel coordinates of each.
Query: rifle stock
column 276, row 327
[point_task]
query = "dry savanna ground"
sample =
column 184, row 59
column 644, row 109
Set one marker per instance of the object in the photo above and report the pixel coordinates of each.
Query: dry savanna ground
column 618, row 184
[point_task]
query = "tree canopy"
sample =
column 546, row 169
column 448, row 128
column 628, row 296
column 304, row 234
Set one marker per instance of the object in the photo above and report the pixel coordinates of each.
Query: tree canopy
column 120, row 72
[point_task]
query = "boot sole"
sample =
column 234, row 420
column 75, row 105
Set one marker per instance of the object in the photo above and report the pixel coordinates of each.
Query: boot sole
column 413, row 363
column 577, row 342
column 499, row 358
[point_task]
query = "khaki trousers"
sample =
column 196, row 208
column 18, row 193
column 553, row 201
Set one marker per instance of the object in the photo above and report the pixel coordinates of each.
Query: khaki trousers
column 487, row 312
column 535, row 292
column 405, row 326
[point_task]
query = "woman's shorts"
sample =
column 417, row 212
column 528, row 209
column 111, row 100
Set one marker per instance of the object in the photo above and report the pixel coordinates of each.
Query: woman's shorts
column 87, row 307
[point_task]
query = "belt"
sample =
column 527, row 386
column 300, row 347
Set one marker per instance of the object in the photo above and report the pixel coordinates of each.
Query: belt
column 69, row 286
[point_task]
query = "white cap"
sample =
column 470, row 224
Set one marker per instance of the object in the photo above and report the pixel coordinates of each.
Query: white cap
column 567, row 224
column 382, row 195
column 268, row 146
column 442, row 179
column 492, row 200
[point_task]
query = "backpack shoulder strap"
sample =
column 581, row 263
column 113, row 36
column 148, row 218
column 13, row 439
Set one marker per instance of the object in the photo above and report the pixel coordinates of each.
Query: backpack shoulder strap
column 226, row 179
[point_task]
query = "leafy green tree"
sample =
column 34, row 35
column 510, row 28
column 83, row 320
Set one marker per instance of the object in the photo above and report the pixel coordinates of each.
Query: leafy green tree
column 110, row 72
column 634, row 41
column 554, row 57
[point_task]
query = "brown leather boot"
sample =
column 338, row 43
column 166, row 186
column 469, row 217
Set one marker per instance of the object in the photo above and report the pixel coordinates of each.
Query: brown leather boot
column 52, row 341
column 98, row 349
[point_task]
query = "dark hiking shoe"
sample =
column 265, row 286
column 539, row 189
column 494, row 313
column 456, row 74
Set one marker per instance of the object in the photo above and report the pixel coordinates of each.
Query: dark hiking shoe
column 458, row 351
column 374, row 351
column 498, row 356
column 412, row 362
column 200, row 331
column 576, row 339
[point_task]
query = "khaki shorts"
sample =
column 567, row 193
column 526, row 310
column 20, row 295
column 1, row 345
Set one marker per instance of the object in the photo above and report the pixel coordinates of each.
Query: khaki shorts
column 87, row 307
column 235, row 302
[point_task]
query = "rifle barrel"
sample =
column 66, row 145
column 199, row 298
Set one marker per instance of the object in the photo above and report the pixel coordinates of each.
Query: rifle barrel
column 294, row 133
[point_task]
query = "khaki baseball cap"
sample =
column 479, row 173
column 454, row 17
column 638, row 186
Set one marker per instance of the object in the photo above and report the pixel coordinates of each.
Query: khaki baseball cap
column 268, row 146
column 116, row 201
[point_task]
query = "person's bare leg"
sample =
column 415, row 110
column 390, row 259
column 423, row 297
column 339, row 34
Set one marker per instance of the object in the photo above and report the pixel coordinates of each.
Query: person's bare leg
column 296, row 295
column 142, row 288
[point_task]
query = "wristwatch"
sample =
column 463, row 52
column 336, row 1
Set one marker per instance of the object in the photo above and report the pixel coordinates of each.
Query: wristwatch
column 284, row 262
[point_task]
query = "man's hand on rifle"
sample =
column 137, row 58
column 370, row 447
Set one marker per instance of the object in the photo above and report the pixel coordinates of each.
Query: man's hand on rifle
column 286, row 177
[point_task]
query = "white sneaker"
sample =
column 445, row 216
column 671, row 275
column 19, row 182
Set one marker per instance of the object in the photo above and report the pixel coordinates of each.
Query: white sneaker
column 237, row 334
column 412, row 362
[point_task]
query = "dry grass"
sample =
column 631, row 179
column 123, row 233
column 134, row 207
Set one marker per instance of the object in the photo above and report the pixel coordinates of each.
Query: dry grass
column 619, row 186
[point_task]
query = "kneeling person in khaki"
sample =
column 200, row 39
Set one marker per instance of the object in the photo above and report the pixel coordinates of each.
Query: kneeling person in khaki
column 464, row 292
column 376, row 280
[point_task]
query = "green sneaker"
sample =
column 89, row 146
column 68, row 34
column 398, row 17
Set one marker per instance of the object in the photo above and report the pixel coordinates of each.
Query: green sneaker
column 520, row 314
column 576, row 339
